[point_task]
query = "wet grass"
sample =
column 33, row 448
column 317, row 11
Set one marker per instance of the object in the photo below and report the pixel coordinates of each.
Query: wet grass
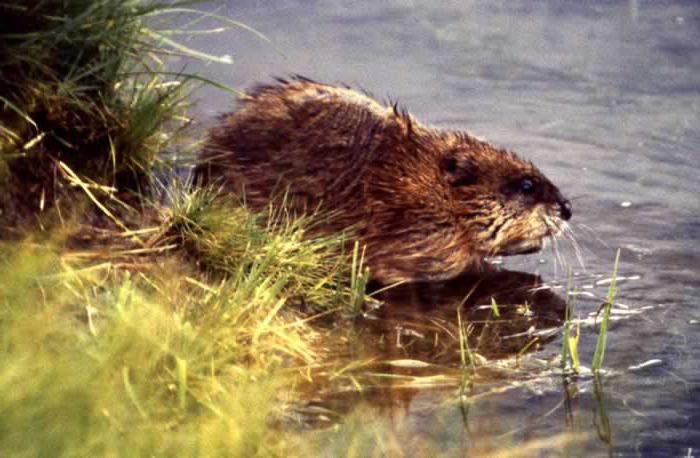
column 570, row 362
column 601, row 343
column 85, row 88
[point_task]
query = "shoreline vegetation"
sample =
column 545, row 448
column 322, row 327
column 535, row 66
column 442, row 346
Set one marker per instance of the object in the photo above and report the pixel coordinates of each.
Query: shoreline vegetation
column 138, row 313
column 141, row 314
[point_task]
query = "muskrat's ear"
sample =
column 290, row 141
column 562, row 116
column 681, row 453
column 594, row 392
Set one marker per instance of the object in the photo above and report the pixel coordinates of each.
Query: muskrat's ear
column 458, row 172
column 404, row 118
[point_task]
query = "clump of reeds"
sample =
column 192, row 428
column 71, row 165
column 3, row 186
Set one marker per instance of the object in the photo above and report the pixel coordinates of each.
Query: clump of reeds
column 271, row 246
column 81, row 91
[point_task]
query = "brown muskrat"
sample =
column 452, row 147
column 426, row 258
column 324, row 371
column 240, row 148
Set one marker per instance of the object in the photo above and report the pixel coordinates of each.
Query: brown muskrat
column 428, row 203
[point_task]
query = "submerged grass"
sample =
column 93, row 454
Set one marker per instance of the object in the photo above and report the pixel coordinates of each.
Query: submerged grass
column 569, row 354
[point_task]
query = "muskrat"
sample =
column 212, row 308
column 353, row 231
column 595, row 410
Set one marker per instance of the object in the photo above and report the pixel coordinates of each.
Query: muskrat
column 427, row 203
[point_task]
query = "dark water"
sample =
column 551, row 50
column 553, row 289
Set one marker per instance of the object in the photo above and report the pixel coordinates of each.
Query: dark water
column 605, row 97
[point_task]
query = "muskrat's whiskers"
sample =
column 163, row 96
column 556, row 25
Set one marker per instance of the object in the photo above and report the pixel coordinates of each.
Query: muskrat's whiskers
column 555, row 229
column 559, row 257
column 552, row 225
column 555, row 256
column 569, row 234
column 593, row 233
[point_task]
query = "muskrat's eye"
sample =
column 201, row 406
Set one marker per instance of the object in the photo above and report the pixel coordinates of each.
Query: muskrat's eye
column 527, row 186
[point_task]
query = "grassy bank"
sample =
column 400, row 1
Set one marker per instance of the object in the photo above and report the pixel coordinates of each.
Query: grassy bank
column 149, row 357
column 137, row 316
column 85, row 107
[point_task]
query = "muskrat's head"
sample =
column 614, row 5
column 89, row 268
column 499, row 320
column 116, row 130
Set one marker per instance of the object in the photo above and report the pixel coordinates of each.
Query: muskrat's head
column 504, row 203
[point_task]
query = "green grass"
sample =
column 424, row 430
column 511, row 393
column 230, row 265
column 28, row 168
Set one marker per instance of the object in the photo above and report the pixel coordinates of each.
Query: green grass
column 98, row 362
column 101, row 358
column 126, row 325
column 271, row 247
column 599, row 354
column 84, row 87
column 466, row 359
column 569, row 354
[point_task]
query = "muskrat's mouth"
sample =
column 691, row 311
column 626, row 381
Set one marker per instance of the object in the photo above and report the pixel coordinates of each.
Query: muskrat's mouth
column 521, row 247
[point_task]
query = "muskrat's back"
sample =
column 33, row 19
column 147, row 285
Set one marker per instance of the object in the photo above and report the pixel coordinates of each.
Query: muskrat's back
column 428, row 203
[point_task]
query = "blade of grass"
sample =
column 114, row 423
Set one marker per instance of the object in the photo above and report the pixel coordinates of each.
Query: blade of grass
column 599, row 354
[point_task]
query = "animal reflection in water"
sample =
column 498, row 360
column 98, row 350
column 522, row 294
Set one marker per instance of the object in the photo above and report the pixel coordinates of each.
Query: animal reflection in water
column 412, row 343
column 421, row 318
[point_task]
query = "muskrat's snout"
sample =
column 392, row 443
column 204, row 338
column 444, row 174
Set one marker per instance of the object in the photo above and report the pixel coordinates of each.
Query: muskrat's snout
column 565, row 210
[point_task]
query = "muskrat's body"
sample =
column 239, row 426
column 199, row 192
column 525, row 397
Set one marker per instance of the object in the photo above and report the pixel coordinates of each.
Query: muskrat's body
column 427, row 203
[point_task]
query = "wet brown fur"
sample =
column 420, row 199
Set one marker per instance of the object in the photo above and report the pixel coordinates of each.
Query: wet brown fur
column 428, row 203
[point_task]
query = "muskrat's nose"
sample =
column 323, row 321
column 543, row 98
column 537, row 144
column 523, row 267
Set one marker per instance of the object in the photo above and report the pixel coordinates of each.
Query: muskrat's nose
column 565, row 209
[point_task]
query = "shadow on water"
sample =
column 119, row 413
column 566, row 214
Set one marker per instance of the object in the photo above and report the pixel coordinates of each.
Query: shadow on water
column 413, row 344
column 504, row 311
column 407, row 376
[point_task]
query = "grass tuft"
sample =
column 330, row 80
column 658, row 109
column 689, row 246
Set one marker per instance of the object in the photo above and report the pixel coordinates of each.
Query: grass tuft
column 81, row 85
column 273, row 247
